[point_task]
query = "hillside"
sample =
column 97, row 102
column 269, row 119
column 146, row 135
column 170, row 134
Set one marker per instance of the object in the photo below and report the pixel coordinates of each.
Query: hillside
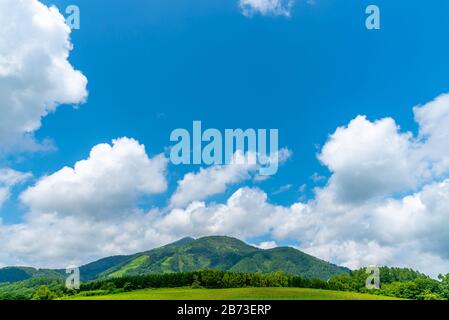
column 16, row 274
column 288, row 260
column 188, row 254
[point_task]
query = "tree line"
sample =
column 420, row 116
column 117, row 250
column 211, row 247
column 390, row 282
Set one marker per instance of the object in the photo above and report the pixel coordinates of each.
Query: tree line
column 395, row 282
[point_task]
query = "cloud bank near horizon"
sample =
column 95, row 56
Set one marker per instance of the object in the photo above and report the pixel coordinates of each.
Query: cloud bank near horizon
column 385, row 202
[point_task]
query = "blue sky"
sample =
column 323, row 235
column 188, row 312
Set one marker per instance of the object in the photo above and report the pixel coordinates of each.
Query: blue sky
column 154, row 66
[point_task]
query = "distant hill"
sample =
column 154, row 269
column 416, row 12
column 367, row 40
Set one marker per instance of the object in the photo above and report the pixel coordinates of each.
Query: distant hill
column 188, row 254
column 16, row 274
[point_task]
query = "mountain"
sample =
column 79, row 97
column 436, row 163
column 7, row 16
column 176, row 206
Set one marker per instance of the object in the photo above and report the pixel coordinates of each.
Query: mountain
column 188, row 254
column 16, row 274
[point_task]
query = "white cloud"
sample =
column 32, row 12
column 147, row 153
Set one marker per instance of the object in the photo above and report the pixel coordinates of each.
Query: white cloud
column 267, row 245
column 266, row 7
column 272, row 162
column 51, row 240
column 434, row 135
column 8, row 179
column 212, row 180
column 352, row 254
column 368, row 159
column 89, row 211
column 217, row 179
column 35, row 74
column 387, row 199
column 105, row 184
column 245, row 214
column 282, row 189
column 423, row 215
column 316, row 178
column 76, row 239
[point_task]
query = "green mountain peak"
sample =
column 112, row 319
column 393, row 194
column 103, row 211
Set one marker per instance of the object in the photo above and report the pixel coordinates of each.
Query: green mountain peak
column 189, row 254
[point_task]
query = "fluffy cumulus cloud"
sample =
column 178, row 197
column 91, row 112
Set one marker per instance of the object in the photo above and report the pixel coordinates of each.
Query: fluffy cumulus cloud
column 245, row 214
column 368, row 159
column 88, row 211
column 212, row 180
column 434, row 135
column 107, row 183
column 386, row 200
column 35, row 74
column 217, row 179
column 56, row 240
column 266, row 7
column 53, row 239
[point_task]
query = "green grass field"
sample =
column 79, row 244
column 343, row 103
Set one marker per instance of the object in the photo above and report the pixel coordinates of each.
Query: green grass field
column 236, row 294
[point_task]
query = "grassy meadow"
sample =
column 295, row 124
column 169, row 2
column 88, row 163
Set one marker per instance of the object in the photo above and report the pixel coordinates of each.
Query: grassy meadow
column 234, row 294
